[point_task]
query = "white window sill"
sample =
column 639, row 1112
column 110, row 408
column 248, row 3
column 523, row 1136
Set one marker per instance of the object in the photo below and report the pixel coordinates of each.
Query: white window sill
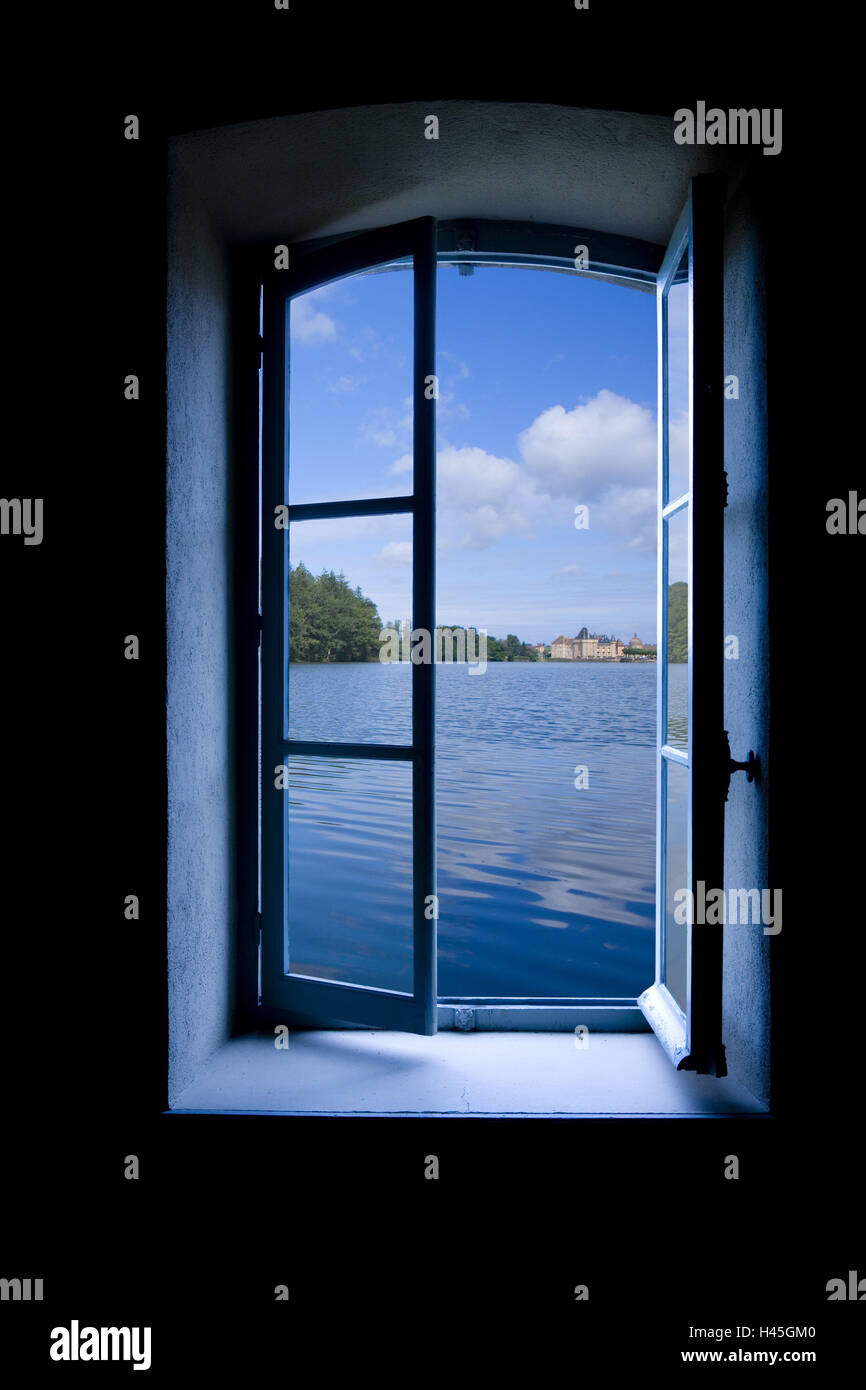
column 354, row 1072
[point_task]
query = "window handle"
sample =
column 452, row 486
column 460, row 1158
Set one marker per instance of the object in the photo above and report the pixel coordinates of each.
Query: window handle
column 751, row 766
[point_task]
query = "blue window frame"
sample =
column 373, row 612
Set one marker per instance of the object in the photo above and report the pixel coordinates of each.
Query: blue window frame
column 684, row 1003
column 283, row 987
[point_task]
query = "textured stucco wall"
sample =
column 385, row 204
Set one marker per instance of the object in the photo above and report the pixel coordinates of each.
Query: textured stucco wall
column 200, row 883
column 325, row 172
column 747, row 949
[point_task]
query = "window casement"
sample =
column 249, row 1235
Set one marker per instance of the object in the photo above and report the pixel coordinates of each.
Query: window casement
column 278, row 982
column 411, row 1008
column 684, row 1003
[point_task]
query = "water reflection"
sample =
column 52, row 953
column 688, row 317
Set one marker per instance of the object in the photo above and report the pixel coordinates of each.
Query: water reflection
column 544, row 890
column 678, row 705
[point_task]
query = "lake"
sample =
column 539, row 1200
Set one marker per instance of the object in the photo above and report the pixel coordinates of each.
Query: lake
column 545, row 890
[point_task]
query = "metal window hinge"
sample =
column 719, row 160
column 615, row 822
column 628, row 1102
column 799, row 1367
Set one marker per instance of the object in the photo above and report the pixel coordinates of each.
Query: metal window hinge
column 751, row 766
column 259, row 958
column 467, row 240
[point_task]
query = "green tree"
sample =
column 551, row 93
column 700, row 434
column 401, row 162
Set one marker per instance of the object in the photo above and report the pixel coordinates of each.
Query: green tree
column 330, row 621
column 509, row 649
column 678, row 621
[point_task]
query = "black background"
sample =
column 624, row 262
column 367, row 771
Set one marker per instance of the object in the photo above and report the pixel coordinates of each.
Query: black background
column 485, row 1260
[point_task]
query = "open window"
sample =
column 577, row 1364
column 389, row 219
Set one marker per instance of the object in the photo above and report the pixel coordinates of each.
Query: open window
column 332, row 952
column 315, row 964
column 683, row 1005
column 223, row 229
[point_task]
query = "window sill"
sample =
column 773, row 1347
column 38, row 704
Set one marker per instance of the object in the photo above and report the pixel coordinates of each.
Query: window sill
column 476, row 1074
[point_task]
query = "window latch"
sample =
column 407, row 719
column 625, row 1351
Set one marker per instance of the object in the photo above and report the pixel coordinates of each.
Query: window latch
column 751, row 766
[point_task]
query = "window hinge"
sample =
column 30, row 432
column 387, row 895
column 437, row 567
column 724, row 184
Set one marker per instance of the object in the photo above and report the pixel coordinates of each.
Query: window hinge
column 259, row 627
column 259, row 958
column 750, row 766
column 467, row 240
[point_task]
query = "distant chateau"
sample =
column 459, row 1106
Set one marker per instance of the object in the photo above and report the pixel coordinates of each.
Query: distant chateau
column 595, row 646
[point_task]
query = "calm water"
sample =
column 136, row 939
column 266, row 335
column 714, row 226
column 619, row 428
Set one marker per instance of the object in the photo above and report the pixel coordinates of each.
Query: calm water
column 544, row 890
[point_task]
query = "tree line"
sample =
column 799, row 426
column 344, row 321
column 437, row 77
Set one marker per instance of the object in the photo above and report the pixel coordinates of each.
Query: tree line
column 331, row 621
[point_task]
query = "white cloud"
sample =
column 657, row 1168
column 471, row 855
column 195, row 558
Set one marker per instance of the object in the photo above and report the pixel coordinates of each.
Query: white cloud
column 483, row 498
column 367, row 344
column 480, row 497
column 310, row 325
column 601, row 454
column 458, row 369
column 345, row 384
column 446, row 407
column 395, row 553
column 470, row 477
column 582, row 452
column 387, row 428
column 630, row 514
column 385, row 438
column 678, row 455
column 323, row 539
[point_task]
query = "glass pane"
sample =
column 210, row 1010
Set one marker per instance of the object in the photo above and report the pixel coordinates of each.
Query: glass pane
column 677, row 780
column 545, row 771
column 350, row 388
column 679, row 358
column 678, row 630
column 349, row 673
column 350, row 871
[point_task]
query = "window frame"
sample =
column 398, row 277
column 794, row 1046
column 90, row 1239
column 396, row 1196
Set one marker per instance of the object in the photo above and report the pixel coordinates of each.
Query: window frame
column 280, row 988
column 468, row 241
column 692, row 1037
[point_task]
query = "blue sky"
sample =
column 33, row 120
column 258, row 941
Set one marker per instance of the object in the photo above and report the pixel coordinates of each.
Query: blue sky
column 547, row 401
